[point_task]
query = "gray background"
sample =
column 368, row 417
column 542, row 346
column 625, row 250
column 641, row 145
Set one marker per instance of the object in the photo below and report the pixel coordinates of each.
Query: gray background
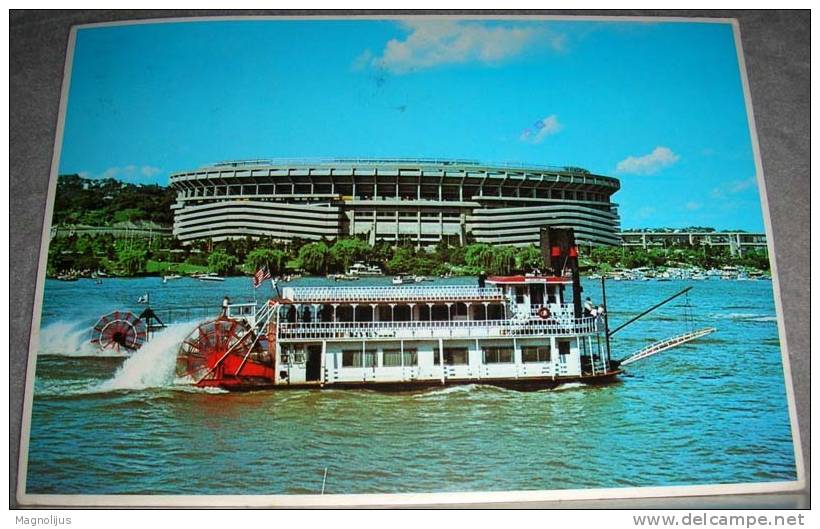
column 777, row 50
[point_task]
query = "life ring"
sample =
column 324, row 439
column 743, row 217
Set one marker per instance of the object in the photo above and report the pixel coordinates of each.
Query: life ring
column 544, row 313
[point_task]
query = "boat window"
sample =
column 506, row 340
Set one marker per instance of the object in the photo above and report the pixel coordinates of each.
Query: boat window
column 292, row 354
column 536, row 354
column 495, row 311
column 364, row 313
column 519, row 294
column 352, row 358
column 563, row 347
column 439, row 313
column 498, row 355
column 551, row 294
column 459, row 309
column 359, row 358
column 392, row 357
column 453, row 356
column 537, row 294
column 384, row 312
column 326, row 313
column 402, row 313
column 344, row 313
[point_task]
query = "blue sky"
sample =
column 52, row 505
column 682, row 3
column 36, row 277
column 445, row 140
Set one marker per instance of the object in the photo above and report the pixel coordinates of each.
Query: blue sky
column 660, row 105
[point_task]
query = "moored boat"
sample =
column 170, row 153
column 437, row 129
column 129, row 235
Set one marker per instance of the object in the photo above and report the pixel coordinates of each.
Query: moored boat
column 208, row 277
column 363, row 270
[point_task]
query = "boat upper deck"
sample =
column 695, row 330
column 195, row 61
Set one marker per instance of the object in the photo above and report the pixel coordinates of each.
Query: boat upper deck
column 395, row 294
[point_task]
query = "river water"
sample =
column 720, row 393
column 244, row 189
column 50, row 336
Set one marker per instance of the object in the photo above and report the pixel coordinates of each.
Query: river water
column 712, row 411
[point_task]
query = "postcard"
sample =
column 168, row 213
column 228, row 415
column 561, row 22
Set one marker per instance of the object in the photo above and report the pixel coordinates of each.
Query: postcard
column 433, row 259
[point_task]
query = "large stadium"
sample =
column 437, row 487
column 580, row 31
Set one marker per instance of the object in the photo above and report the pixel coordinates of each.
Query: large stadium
column 414, row 201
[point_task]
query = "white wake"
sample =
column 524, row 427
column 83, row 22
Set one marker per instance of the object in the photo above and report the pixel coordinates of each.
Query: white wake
column 70, row 338
column 153, row 365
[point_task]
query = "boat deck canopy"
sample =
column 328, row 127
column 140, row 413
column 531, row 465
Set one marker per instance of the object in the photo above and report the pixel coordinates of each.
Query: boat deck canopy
column 381, row 294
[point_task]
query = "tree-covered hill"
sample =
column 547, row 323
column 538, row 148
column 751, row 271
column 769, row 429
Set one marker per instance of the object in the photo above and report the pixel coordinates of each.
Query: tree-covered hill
column 103, row 202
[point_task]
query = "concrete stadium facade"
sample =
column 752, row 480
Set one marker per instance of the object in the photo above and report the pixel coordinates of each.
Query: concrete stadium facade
column 396, row 200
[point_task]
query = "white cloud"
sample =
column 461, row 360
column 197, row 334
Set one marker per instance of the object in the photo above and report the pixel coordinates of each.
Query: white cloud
column 149, row 171
column 363, row 60
column 734, row 187
column 645, row 212
column 543, row 127
column 647, row 164
column 143, row 174
column 742, row 185
column 692, row 206
column 436, row 42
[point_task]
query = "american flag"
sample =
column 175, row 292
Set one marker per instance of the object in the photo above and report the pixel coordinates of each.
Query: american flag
column 262, row 274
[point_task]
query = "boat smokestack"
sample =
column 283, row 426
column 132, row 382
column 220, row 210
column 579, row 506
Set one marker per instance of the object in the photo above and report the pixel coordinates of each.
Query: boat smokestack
column 560, row 255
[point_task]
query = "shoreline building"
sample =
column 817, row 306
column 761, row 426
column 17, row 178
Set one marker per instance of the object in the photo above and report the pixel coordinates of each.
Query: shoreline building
column 738, row 242
column 119, row 230
column 417, row 201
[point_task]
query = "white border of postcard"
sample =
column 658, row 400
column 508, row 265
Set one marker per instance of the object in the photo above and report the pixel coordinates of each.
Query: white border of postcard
column 349, row 500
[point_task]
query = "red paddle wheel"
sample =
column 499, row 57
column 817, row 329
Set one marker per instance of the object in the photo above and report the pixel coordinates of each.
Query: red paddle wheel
column 225, row 353
column 119, row 330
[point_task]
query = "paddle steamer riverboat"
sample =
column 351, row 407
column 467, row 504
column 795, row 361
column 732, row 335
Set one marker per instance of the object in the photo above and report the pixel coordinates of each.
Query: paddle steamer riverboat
column 526, row 331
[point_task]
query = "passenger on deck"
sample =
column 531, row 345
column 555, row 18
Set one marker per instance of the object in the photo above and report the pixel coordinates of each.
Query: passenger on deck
column 589, row 308
column 225, row 302
column 482, row 279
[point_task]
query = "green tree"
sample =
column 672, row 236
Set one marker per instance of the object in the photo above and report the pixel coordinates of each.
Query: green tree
column 276, row 260
column 314, row 258
column 479, row 256
column 529, row 258
column 221, row 262
column 58, row 258
column 503, row 260
column 402, row 261
column 132, row 261
column 129, row 214
column 345, row 252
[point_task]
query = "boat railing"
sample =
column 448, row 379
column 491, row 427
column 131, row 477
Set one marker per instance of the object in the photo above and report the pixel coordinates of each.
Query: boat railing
column 422, row 294
column 438, row 329
column 241, row 310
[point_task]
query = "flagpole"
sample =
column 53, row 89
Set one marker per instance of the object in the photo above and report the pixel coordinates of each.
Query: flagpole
column 253, row 288
column 275, row 287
